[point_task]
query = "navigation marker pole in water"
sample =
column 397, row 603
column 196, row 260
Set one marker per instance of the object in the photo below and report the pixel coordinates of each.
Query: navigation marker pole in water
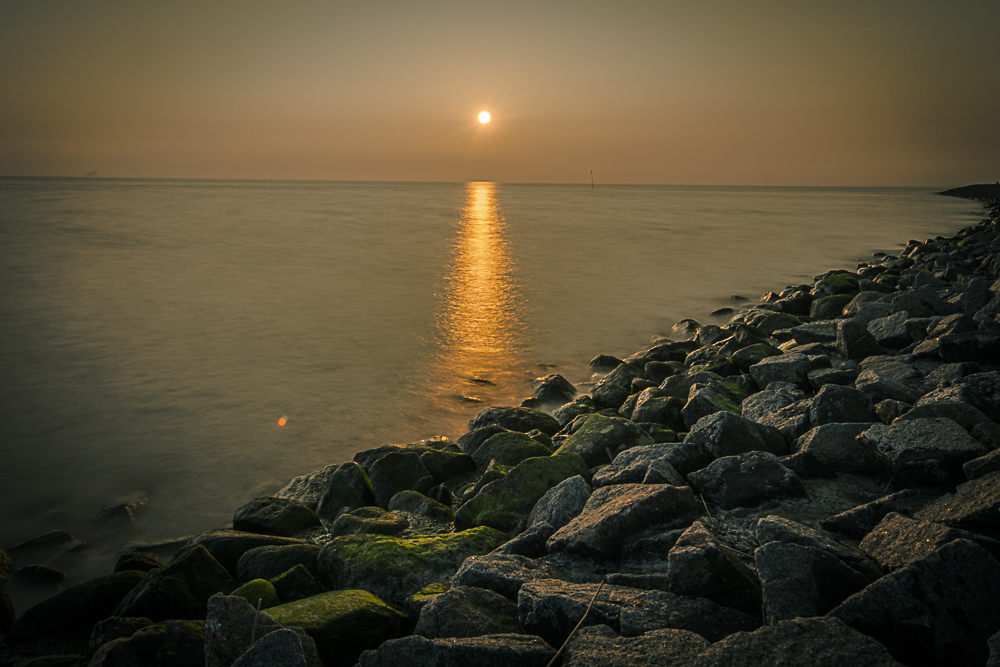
column 591, row 179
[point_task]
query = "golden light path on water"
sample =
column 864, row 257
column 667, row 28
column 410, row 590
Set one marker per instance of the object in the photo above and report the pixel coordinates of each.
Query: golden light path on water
column 481, row 332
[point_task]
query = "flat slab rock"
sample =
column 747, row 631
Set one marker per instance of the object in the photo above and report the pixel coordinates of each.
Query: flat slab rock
column 746, row 480
column 899, row 540
column 551, row 608
column 803, row 642
column 975, row 505
column 600, row 646
column 486, row 651
column 927, row 452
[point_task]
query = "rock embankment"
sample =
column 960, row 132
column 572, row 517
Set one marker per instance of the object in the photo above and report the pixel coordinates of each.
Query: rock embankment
column 816, row 482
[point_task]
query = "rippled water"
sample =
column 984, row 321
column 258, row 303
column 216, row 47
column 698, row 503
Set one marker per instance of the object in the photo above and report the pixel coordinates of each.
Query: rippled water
column 153, row 332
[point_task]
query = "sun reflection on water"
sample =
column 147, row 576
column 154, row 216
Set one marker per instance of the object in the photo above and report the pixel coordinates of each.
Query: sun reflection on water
column 481, row 333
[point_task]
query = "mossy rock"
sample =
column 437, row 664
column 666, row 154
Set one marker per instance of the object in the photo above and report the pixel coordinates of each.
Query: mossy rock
column 505, row 503
column 395, row 568
column 256, row 590
column 829, row 307
column 447, row 463
column 841, row 283
column 343, row 623
column 167, row 644
column 600, row 434
column 771, row 322
column 508, row 449
column 369, row 520
column 754, row 354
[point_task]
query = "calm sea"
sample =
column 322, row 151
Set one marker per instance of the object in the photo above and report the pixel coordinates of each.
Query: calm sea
column 153, row 332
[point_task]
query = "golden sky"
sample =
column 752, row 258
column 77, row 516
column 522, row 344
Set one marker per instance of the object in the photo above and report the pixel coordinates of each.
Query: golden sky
column 727, row 92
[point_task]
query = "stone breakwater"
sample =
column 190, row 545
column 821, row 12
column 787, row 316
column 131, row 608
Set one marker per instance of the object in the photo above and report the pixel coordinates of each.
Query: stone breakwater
column 815, row 483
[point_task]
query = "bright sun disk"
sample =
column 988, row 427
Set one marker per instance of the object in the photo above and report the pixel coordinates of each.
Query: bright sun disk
column 484, row 117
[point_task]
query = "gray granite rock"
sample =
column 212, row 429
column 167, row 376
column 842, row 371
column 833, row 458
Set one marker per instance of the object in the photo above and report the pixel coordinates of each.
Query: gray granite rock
column 700, row 565
column 282, row 648
column 891, row 331
column 612, row 513
column 982, row 466
column 531, row 543
column 600, row 646
column 553, row 388
column 802, row 642
column 230, row 624
column 501, row 573
column 421, row 505
column 612, row 390
column 600, row 435
column 562, row 503
column 308, row 489
column 486, row 651
column 771, row 400
column 834, row 404
column 975, row 506
column 780, row 529
column 268, row 562
column 836, row 445
column 467, row 611
column 171, row 642
column 398, row 471
column 924, row 452
column 348, row 488
column 369, row 520
column 854, row 341
column 800, row 581
column 296, row 583
column 508, row 449
column 726, row 434
column 746, row 480
column 859, row 521
column 791, row 421
column 898, row 540
column 581, row 405
column 938, row 610
column 114, row 628
column 789, row 367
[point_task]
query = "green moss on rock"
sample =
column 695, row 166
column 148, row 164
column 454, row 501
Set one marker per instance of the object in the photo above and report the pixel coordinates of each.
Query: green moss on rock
column 505, row 503
column 600, row 434
column 395, row 568
column 258, row 590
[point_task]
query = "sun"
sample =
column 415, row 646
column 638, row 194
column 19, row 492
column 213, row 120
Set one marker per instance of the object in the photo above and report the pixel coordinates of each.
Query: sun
column 484, row 117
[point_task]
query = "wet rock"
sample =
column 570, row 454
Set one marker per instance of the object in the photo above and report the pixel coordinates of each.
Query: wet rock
column 553, row 388
column 397, row 472
column 982, row 466
column 726, row 434
column 45, row 547
column 600, row 646
column 138, row 560
column 296, row 583
column 348, row 488
column 274, row 516
column 658, row 371
column 227, row 546
column 180, row 590
column 343, row 623
column 581, row 405
column 308, row 489
column 472, row 440
column 751, row 355
column 485, row 651
column 802, row 642
column 746, row 480
column 653, row 406
column 417, row 503
column 836, row 446
column 268, row 562
column 605, row 362
column 369, row 521
column 821, row 377
column 938, row 610
column 171, row 643
column 925, row 452
column 515, row 419
column 920, row 302
column 974, row 506
column 599, row 435
column 466, row 611
column 615, row 387
column 829, row 307
column 73, row 612
column 700, row 565
column 709, row 400
column 561, row 504
column 614, row 512
column 835, row 404
column 506, row 502
column 114, row 628
column 551, row 608
column 36, row 576
column 680, row 385
column 503, row 574
column 281, row 648
column 632, row 465
column 445, row 464
column 790, row 367
column 394, row 568
column 772, row 399
column 854, row 341
column 531, row 543
column 800, row 581
column 508, row 449
column 881, row 389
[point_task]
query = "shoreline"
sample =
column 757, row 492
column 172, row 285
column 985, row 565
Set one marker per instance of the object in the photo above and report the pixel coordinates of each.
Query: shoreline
column 666, row 409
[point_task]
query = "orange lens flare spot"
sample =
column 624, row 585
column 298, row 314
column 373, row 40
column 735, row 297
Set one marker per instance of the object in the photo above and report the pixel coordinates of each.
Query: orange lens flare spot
column 282, row 421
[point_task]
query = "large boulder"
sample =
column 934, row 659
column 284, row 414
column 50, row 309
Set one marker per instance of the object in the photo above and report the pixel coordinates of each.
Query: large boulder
column 369, row 521
column 834, row 404
column 274, row 516
column 508, row 449
column 746, row 480
column 836, row 446
column 398, row 471
column 772, row 399
column 231, row 626
column 801, row 581
column 561, row 504
column 74, row 611
column 600, row 646
column 269, row 561
column 974, row 506
column 308, row 489
column 938, row 610
column 899, row 540
column 505, row 503
column 925, row 452
column 612, row 513
column 501, row 573
column 802, row 642
column 616, row 386
column 181, row 590
column 726, row 434
column 228, row 546
column 466, row 611
column 600, row 435
column 632, row 466
column 553, row 388
column 700, row 565
column 343, row 623
column 789, row 367
column 172, row 643
column 485, row 651
column 515, row 419
column 707, row 401
column 394, row 568
column 551, row 608
column 349, row 488
column 281, row 648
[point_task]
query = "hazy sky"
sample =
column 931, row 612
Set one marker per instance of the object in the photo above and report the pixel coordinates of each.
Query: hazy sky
column 728, row 92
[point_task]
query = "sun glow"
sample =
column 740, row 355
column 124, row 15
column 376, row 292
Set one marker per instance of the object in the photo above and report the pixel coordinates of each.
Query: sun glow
column 484, row 117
